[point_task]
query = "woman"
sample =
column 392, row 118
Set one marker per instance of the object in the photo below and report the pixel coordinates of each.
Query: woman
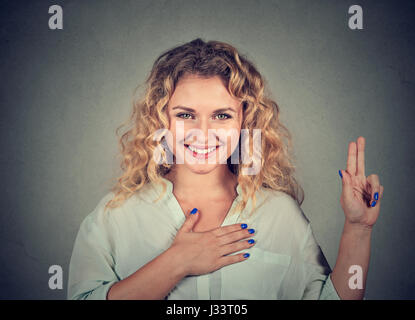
column 189, row 220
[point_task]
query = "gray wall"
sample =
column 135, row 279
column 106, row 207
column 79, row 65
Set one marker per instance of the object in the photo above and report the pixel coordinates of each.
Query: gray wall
column 64, row 92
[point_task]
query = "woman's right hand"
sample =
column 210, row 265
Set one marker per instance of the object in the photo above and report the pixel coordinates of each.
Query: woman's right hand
column 204, row 252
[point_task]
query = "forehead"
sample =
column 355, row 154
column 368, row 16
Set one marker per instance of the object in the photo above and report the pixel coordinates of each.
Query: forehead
column 202, row 93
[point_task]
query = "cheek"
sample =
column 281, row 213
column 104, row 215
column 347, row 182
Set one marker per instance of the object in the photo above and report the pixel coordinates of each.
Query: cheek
column 230, row 136
column 235, row 136
column 177, row 129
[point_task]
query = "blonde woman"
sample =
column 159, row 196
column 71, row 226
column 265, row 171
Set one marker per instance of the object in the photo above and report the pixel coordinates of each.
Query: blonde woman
column 188, row 221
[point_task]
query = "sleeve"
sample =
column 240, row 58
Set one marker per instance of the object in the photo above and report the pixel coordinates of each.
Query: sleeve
column 92, row 264
column 317, row 271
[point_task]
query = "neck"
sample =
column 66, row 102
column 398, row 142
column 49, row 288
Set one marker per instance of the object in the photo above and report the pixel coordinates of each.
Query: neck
column 218, row 183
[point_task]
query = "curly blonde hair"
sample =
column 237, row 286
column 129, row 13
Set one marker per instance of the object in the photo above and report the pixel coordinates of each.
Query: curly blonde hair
column 243, row 81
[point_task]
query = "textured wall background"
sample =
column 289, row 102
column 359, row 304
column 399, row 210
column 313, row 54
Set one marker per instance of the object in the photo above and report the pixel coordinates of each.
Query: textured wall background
column 64, row 92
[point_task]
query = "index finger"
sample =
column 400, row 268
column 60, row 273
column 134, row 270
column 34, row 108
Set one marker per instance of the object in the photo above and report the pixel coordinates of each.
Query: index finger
column 351, row 159
column 361, row 156
column 220, row 231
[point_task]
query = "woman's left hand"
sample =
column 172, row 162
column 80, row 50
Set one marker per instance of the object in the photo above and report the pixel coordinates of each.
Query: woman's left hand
column 361, row 195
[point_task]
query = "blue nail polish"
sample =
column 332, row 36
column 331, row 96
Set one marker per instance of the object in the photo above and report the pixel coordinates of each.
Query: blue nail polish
column 373, row 204
column 193, row 211
column 243, row 225
column 246, row 255
column 376, row 196
column 251, row 241
column 340, row 173
column 251, row 230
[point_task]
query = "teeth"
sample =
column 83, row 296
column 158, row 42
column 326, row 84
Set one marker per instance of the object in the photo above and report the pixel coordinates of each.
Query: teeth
column 201, row 151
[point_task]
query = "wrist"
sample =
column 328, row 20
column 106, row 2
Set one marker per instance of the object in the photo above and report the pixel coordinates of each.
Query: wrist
column 176, row 261
column 357, row 228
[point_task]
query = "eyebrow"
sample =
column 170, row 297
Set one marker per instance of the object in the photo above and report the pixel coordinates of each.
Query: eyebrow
column 192, row 110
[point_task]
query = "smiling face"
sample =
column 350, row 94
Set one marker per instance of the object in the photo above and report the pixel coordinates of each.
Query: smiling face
column 204, row 122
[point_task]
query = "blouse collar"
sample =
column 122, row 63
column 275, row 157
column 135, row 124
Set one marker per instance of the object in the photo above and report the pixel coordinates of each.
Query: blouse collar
column 174, row 206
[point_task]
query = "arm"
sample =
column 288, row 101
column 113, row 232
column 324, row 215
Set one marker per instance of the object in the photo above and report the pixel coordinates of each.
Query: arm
column 92, row 270
column 360, row 200
column 354, row 250
column 152, row 281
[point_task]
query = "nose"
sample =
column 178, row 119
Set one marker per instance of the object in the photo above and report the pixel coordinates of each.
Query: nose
column 203, row 126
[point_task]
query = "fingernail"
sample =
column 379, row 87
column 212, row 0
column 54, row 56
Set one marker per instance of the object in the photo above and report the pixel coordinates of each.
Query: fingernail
column 251, row 230
column 246, row 255
column 340, row 173
column 244, row 225
column 376, row 196
column 251, row 241
column 373, row 204
column 193, row 211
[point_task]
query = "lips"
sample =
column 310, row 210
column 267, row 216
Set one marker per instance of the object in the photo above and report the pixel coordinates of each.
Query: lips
column 200, row 149
column 201, row 152
column 201, row 146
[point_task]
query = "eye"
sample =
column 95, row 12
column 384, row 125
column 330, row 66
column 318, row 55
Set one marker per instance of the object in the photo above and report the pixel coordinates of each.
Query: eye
column 183, row 115
column 223, row 116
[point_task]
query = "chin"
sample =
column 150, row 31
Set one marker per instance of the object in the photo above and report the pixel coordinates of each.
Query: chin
column 201, row 168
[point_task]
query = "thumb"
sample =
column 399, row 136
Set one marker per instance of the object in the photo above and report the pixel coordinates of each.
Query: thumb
column 190, row 221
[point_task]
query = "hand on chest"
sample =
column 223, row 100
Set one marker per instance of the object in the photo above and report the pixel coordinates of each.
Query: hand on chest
column 212, row 213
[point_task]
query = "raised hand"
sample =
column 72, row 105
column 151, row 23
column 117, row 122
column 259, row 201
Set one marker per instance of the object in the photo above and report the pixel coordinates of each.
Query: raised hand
column 361, row 196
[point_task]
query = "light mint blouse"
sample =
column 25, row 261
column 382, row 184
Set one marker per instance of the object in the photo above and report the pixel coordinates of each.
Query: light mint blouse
column 285, row 263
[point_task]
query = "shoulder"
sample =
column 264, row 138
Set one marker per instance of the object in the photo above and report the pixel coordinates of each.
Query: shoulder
column 284, row 208
column 97, row 227
column 99, row 216
column 282, row 221
column 279, row 197
column 132, row 205
column 144, row 195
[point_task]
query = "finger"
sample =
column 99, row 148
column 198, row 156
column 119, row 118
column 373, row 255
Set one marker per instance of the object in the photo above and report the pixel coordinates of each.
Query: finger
column 233, row 258
column 190, row 221
column 236, row 246
column 220, row 231
column 361, row 142
column 235, row 236
column 378, row 202
column 346, row 185
column 380, row 194
column 374, row 185
column 351, row 159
